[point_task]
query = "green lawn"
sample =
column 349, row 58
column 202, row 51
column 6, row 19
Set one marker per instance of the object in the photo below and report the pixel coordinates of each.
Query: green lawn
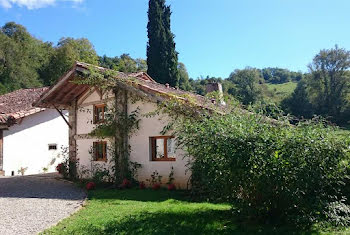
column 157, row 212
column 281, row 91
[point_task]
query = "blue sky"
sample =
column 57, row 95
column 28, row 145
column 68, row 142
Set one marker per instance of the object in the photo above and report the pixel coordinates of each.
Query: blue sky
column 213, row 37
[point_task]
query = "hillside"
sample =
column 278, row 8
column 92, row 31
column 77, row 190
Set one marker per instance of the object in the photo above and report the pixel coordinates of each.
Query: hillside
column 277, row 92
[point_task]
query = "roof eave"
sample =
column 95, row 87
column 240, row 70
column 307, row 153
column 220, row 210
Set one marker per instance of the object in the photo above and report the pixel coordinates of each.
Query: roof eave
column 41, row 101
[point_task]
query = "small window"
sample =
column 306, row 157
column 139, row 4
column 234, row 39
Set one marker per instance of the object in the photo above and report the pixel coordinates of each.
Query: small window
column 99, row 113
column 52, row 146
column 162, row 148
column 100, row 151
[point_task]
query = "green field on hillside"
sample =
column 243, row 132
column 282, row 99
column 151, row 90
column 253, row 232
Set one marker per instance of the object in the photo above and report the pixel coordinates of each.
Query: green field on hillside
column 280, row 91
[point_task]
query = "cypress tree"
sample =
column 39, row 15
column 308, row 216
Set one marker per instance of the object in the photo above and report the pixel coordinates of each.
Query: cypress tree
column 162, row 58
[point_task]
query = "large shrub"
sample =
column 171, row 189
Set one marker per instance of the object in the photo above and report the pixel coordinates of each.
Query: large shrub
column 267, row 169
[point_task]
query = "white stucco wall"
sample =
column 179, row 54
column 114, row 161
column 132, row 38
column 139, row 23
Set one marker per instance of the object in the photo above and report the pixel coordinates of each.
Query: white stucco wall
column 26, row 144
column 85, row 126
column 140, row 147
column 139, row 142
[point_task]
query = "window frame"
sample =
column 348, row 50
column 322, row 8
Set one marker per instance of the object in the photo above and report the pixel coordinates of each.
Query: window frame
column 95, row 113
column 95, row 145
column 153, row 150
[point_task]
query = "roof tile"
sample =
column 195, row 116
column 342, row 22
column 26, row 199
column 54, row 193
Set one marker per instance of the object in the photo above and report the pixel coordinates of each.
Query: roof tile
column 18, row 104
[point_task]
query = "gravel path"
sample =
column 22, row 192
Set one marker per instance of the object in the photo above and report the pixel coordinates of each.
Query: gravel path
column 30, row 204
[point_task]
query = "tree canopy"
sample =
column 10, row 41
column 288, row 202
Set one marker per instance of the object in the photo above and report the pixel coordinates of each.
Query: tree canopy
column 124, row 63
column 21, row 58
column 63, row 56
column 279, row 75
column 325, row 90
column 27, row 62
column 246, row 82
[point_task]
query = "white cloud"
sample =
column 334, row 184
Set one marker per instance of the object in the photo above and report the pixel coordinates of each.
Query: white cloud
column 33, row 4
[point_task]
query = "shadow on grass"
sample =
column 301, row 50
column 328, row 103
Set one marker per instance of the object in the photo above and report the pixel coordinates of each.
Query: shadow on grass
column 146, row 195
column 181, row 220
column 195, row 222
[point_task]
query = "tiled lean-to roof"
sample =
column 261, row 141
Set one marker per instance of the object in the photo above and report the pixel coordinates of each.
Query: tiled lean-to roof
column 18, row 104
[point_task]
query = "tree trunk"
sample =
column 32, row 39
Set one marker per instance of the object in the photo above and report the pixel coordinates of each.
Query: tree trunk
column 121, row 136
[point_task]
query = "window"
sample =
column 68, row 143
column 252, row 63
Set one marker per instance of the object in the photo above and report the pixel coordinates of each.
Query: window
column 162, row 148
column 99, row 113
column 52, row 146
column 100, row 151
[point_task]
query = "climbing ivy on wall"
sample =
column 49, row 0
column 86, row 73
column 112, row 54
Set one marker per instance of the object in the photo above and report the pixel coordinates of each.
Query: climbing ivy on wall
column 118, row 124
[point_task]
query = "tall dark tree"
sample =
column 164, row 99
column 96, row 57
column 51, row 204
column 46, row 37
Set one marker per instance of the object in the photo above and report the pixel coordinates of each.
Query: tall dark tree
column 162, row 58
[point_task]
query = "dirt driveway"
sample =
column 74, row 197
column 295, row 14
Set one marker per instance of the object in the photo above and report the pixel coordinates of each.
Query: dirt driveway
column 30, row 204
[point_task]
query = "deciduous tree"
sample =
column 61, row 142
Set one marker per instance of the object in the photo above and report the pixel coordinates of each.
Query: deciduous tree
column 247, row 88
column 67, row 51
column 329, row 82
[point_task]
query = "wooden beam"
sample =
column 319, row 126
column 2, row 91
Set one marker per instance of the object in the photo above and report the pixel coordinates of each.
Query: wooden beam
column 55, row 87
column 90, row 137
column 64, row 118
column 76, row 92
column 70, row 93
column 61, row 94
column 85, row 95
column 99, row 92
column 4, row 127
column 20, row 121
column 53, row 105
column 96, row 102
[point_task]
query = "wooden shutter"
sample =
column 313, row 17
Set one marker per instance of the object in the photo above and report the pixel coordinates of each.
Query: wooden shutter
column 94, row 151
column 95, row 113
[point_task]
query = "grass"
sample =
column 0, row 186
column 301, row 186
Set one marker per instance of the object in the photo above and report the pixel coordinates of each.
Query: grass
column 281, row 91
column 158, row 212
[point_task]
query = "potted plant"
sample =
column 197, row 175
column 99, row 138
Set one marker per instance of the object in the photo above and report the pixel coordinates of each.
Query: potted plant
column 155, row 181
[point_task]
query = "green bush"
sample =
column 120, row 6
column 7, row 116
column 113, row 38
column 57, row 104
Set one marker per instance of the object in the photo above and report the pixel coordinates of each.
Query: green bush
column 266, row 169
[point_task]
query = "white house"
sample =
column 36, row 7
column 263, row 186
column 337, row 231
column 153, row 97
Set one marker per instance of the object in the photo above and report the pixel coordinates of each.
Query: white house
column 87, row 106
column 30, row 138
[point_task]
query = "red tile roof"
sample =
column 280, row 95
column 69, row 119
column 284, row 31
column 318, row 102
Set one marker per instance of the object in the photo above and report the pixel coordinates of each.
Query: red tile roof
column 18, row 104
